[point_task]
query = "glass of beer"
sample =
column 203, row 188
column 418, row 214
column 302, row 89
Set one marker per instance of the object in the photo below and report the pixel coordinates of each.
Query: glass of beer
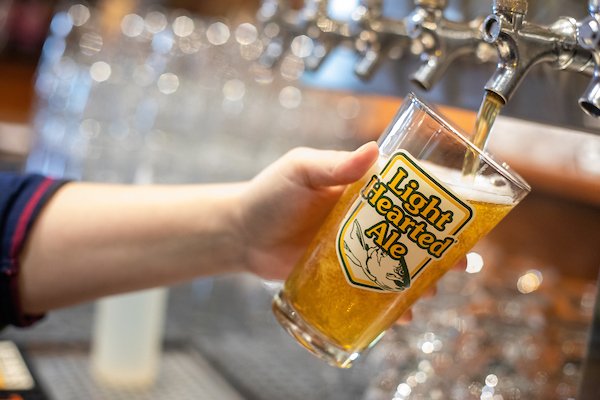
column 430, row 197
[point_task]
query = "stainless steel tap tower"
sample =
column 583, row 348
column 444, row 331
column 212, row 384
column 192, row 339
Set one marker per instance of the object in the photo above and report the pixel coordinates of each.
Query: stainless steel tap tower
column 521, row 45
column 509, row 37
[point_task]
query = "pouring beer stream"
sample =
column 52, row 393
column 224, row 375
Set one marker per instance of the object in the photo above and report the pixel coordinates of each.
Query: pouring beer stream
column 486, row 116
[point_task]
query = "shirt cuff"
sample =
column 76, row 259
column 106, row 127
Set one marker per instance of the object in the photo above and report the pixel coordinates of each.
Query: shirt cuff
column 34, row 193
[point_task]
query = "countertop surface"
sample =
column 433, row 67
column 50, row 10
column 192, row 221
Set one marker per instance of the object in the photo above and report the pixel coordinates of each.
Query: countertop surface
column 223, row 330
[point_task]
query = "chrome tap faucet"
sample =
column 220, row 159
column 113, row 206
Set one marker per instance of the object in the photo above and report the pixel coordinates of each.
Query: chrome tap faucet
column 281, row 24
column 442, row 40
column 377, row 37
column 311, row 20
column 521, row 45
column 589, row 38
column 326, row 32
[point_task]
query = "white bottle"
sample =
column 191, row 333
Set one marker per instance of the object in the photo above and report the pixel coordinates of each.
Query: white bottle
column 127, row 338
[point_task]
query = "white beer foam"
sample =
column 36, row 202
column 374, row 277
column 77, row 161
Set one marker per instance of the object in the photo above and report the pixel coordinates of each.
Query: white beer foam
column 495, row 189
column 482, row 189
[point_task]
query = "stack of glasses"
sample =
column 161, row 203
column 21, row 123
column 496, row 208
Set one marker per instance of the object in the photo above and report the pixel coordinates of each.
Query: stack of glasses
column 169, row 97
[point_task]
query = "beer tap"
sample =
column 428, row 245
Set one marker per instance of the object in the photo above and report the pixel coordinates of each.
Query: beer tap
column 377, row 37
column 325, row 32
column 281, row 24
column 288, row 23
column 521, row 45
column 442, row 40
column 589, row 38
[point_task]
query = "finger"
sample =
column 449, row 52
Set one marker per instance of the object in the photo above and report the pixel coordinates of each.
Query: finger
column 323, row 168
column 405, row 318
column 461, row 265
column 430, row 292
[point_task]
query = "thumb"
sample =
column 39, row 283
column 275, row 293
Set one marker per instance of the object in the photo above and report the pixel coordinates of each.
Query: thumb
column 356, row 165
column 319, row 168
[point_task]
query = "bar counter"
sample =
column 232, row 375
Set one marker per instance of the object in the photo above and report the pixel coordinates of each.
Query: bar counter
column 521, row 326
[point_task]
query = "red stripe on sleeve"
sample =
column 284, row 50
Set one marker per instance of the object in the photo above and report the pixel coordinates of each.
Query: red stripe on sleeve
column 21, row 229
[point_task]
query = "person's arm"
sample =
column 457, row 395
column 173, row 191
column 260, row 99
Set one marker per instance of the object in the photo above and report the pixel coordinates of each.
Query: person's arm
column 21, row 199
column 93, row 240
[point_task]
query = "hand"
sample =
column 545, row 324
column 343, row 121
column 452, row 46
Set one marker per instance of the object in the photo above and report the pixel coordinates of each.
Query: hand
column 285, row 204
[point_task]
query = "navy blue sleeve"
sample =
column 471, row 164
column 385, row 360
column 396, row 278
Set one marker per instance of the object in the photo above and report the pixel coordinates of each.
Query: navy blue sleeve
column 21, row 199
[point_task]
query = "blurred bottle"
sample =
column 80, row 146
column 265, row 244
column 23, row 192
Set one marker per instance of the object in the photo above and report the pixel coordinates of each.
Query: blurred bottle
column 127, row 339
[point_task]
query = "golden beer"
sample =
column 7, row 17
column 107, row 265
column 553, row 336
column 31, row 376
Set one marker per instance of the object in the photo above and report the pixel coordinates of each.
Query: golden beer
column 393, row 234
column 352, row 317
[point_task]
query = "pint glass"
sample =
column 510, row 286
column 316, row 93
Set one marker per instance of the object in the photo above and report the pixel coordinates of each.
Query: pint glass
column 393, row 234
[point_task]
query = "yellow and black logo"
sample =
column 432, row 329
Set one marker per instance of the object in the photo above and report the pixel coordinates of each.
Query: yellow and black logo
column 402, row 220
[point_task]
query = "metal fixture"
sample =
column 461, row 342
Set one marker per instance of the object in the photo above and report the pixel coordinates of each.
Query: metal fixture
column 281, row 24
column 326, row 32
column 442, row 41
column 589, row 38
column 378, row 36
column 522, row 45
column 505, row 36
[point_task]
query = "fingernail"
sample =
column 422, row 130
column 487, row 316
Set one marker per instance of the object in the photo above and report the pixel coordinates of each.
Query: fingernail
column 365, row 146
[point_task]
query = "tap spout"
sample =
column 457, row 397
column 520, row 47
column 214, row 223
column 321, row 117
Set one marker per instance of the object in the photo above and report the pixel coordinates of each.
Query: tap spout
column 378, row 36
column 442, row 41
column 287, row 22
column 588, row 35
column 590, row 99
column 326, row 32
column 450, row 41
column 521, row 45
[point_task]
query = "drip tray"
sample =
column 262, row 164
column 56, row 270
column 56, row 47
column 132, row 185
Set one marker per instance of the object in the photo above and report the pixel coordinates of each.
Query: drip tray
column 183, row 374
